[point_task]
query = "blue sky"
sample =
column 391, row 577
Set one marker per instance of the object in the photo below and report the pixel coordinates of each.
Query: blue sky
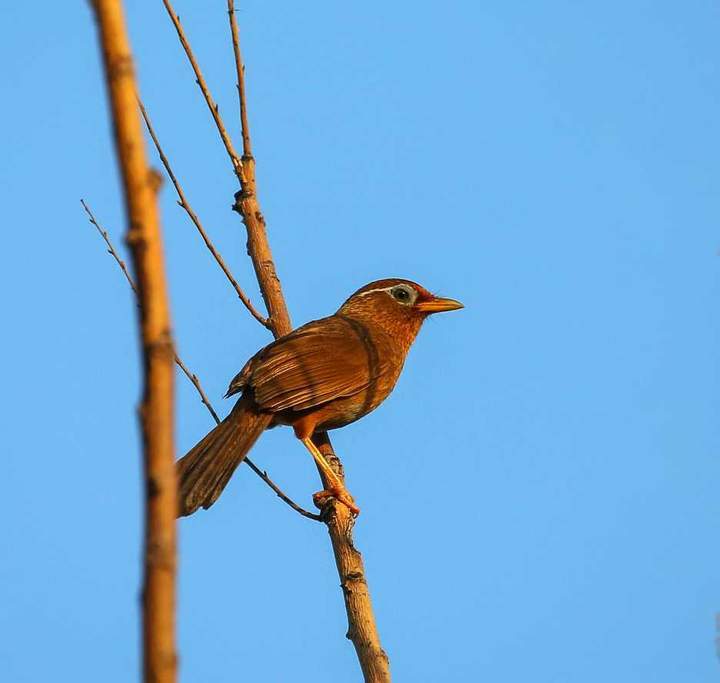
column 539, row 495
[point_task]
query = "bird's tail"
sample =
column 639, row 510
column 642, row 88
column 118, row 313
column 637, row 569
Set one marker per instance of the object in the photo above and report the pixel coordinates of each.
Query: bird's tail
column 205, row 470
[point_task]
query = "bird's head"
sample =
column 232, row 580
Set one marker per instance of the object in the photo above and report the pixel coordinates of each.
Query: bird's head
column 398, row 306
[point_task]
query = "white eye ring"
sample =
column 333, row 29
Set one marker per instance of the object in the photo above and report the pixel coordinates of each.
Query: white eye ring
column 402, row 294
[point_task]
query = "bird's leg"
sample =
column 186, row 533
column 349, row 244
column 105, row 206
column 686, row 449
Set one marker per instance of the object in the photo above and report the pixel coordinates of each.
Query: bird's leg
column 336, row 486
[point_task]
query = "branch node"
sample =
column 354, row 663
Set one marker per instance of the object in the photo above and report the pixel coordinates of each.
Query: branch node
column 183, row 203
column 155, row 180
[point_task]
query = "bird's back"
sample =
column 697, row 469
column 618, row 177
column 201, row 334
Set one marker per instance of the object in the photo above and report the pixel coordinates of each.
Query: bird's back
column 338, row 367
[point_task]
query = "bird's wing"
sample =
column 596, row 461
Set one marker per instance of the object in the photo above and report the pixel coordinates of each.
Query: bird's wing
column 321, row 361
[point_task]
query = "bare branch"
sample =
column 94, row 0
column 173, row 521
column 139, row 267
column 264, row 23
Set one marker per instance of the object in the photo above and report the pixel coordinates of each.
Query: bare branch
column 196, row 381
column 212, row 106
column 263, row 475
column 111, row 248
column 361, row 620
column 140, row 186
column 246, row 203
column 183, row 202
column 362, row 629
column 240, row 69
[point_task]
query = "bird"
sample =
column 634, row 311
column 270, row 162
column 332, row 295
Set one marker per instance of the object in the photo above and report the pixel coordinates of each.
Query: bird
column 321, row 376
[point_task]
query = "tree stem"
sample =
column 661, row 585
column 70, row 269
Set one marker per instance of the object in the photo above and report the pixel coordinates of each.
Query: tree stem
column 143, row 236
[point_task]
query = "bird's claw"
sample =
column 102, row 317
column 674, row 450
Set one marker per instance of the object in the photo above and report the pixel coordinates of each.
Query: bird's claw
column 321, row 499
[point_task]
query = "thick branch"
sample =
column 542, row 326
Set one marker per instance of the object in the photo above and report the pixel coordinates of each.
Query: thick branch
column 183, row 202
column 156, row 410
column 362, row 629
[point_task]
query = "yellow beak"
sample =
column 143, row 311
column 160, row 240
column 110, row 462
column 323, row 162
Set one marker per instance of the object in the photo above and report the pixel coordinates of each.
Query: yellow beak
column 438, row 304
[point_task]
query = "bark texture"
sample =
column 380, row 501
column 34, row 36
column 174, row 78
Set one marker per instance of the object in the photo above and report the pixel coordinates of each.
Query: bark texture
column 140, row 186
column 362, row 629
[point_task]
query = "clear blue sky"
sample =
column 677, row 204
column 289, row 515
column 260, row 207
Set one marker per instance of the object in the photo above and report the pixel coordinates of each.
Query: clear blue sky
column 541, row 493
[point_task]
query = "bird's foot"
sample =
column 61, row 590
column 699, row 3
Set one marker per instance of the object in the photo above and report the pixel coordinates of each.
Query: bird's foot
column 341, row 495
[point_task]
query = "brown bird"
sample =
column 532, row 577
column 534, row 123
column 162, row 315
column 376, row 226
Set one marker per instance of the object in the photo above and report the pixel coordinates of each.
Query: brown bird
column 323, row 375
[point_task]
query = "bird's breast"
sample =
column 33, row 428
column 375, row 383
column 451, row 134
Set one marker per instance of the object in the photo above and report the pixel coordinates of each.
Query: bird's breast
column 343, row 411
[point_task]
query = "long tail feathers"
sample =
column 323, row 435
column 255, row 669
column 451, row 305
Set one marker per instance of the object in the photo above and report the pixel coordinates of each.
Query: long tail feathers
column 206, row 469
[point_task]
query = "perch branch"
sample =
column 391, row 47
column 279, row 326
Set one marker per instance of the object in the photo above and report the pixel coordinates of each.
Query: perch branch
column 140, row 186
column 362, row 628
column 183, row 202
column 194, row 378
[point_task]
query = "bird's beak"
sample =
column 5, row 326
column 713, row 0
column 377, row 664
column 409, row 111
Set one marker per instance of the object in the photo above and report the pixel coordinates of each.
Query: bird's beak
column 438, row 304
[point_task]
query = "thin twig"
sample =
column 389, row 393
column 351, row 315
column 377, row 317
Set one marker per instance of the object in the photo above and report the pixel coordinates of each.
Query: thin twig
column 196, row 381
column 260, row 473
column 183, row 202
column 240, row 69
column 263, row 475
column 212, row 106
column 111, row 248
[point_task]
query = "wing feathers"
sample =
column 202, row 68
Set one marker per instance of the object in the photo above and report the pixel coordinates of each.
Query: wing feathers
column 321, row 361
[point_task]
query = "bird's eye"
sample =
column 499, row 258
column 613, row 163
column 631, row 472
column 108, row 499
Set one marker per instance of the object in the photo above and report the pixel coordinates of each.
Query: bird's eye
column 401, row 294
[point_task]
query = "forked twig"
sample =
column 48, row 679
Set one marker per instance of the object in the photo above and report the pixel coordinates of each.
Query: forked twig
column 194, row 378
column 246, row 203
column 362, row 629
column 240, row 69
column 212, row 105
column 183, row 202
